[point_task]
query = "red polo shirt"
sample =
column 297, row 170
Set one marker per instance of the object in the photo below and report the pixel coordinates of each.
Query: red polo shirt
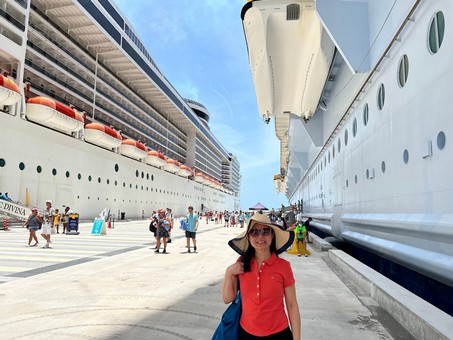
column 262, row 292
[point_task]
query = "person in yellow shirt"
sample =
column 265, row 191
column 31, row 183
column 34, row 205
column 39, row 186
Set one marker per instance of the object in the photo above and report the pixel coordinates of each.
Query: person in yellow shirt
column 56, row 220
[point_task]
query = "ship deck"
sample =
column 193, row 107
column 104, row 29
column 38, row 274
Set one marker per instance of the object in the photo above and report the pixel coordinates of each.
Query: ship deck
column 114, row 286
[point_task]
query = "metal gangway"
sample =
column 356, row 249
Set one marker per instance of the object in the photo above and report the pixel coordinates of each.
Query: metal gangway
column 12, row 211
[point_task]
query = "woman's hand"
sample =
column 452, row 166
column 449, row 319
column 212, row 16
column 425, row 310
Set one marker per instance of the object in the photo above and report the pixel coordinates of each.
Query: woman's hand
column 235, row 269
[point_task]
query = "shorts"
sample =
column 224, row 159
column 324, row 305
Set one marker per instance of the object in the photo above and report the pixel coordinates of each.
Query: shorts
column 300, row 239
column 46, row 228
column 190, row 234
column 30, row 229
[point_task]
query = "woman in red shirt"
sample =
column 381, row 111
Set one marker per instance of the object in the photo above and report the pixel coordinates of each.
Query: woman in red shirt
column 265, row 280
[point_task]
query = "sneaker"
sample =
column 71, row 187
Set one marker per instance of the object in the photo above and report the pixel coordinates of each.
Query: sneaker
column 46, row 246
column 156, row 251
column 34, row 245
column 306, row 255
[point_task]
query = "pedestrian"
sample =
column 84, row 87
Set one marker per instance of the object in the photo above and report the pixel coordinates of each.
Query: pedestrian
column 301, row 237
column 267, row 282
column 48, row 220
column 56, row 221
column 163, row 227
column 226, row 216
column 67, row 212
column 191, row 231
column 291, row 216
column 33, row 223
column 170, row 216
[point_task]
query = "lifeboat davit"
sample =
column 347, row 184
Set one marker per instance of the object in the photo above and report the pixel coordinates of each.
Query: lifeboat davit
column 184, row 171
column 102, row 135
column 156, row 159
column 133, row 149
column 49, row 112
column 199, row 177
column 9, row 91
column 171, row 165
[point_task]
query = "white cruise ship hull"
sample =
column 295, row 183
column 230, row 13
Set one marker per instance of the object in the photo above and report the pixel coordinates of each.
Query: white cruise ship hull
column 372, row 165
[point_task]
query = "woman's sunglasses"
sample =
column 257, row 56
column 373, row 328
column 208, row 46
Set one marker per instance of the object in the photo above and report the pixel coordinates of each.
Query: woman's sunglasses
column 264, row 231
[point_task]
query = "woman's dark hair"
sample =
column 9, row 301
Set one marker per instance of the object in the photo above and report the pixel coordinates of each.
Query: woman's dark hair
column 250, row 253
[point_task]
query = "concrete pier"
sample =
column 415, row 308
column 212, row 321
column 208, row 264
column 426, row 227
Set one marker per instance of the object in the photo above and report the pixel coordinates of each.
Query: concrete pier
column 116, row 287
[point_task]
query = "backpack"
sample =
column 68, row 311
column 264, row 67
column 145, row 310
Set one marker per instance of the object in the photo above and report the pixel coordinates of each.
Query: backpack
column 152, row 225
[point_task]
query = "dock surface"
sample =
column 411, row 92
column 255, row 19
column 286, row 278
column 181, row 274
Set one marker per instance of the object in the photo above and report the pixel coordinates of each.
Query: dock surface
column 115, row 287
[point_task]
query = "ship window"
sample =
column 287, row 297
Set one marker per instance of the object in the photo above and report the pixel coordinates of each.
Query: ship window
column 67, row 174
column 147, row 176
column 339, row 145
column 142, row 187
column 117, row 168
column 355, row 179
column 136, row 173
column 347, row 183
column 333, row 152
column 436, row 32
column 403, row 71
column 89, row 178
column 383, row 167
column 79, row 176
column 99, row 179
column 124, row 184
column 328, row 157
column 381, row 97
column 152, row 177
column 116, row 183
column 143, row 174
column 2, row 162
column 108, row 181
column 354, row 127
column 365, row 114
column 136, row 186
column 441, row 140
column 406, row 156
column 54, row 172
column 21, row 166
column 38, row 168
column 130, row 185
column 346, row 137
column 367, row 174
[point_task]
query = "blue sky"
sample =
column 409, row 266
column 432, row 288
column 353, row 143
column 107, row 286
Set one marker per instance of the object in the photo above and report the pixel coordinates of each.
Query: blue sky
column 199, row 46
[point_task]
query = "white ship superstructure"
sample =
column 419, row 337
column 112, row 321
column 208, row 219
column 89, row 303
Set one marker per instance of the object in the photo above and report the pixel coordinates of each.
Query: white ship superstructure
column 93, row 123
column 370, row 160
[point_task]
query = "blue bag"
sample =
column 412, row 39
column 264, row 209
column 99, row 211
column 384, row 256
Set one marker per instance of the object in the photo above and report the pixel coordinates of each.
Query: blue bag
column 183, row 224
column 228, row 328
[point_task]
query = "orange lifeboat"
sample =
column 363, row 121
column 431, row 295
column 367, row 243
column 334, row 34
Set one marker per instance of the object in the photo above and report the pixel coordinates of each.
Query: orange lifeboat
column 156, row 159
column 199, row 177
column 184, row 171
column 171, row 165
column 9, row 91
column 133, row 149
column 49, row 112
column 102, row 135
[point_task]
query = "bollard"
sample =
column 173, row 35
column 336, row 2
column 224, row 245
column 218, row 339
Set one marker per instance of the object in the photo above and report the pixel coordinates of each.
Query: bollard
column 5, row 223
column 109, row 225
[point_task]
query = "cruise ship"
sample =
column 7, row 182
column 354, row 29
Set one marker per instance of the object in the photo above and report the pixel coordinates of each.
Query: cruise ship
column 359, row 94
column 89, row 121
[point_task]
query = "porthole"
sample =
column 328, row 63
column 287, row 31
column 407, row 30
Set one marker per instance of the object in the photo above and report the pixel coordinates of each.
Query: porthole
column 89, row 178
column 436, row 32
column 365, row 114
column 405, row 156
column 354, row 127
column 152, row 177
column 116, row 183
column 79, row 176
column 54, row 172
column 333, row 151
column 99, row 179
column 347, row 183
column 2, row 162
column 147, row 176
column 21, row 166
column 124, row 184
column 355, row 179
column 403, row 71
column 441, row 140
column 130, row 185
column 381, row 97
column 108, row 181
column 143, row 174
column 339, row 145
column 328, row 157
column 117, row 168
column 137, row 173
column 67, row 174
column 383, row 167
column 136, row 186
column 38, row 169
column 346, row 137
column 367, row 174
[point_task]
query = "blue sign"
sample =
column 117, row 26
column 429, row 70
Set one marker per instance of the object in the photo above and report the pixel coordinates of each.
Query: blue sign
column 98, row 227
column 73, row 222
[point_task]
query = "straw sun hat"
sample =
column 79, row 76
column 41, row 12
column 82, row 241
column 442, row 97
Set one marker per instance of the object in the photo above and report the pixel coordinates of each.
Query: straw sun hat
column 283, row 238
